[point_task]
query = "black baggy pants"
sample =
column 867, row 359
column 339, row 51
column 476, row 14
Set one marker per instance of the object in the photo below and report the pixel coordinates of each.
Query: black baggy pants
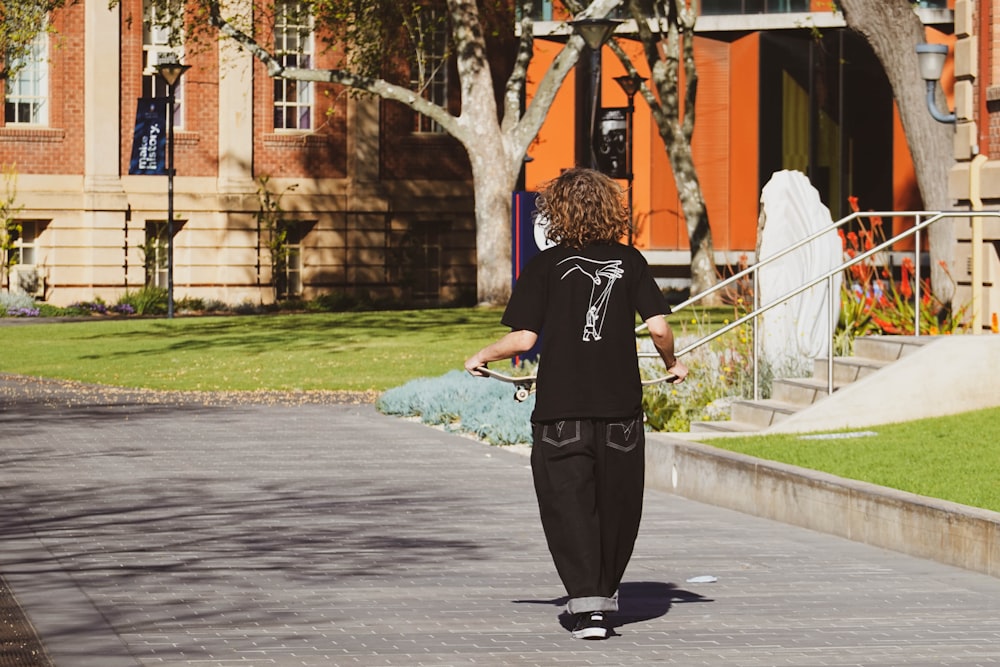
column 589, row 476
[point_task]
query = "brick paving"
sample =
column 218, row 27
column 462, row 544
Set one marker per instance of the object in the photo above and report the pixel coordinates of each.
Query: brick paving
column 270, row 532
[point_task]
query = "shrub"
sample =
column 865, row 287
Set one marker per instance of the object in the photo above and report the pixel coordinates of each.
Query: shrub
column 458, row 401
column 15, row 302
column 191, row 304
column 873, row 302
column 148, row 300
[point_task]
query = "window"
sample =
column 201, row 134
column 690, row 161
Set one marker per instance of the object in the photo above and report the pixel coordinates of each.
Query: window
column 289, row 280
column 293, row 47
column 24, row 255
column 27, row 95
column 429, row 71
column 155, row 254
column 25, row 249
column 156, row 48
column 717, row 7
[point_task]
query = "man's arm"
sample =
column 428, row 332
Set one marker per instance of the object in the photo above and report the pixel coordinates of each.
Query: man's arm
column 663, row 341
column 509, row 346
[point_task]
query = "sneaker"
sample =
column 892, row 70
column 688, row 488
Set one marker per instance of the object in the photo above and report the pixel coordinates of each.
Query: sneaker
column 590, row 625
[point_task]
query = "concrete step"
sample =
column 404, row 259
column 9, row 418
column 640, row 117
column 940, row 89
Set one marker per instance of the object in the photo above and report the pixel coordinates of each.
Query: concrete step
column 847, row 369
column 888, row 348
column 800, row 391
column 763, row 413
column 723, row 427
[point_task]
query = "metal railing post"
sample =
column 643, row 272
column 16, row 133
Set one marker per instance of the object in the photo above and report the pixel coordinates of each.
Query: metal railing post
column 916, row 279
column 831, row 330
column 756, row 336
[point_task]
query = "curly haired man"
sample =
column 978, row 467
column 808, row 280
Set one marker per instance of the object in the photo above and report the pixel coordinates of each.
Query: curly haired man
column 581, row 297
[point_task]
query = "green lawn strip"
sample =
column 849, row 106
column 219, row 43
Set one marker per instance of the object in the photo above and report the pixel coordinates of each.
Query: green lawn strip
column 329, row 351
column 954, row 458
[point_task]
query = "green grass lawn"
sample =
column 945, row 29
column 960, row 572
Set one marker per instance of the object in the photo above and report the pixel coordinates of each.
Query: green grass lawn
column 332, row 351
column 953, row 458
column 950, row 458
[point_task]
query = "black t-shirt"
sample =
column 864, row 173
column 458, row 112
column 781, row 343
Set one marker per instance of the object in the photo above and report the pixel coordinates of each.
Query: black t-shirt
column 583, row 304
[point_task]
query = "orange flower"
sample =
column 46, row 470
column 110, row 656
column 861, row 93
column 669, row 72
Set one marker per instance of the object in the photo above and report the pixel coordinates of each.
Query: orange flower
column 994, row 324
column 853, row 201
column 904, row 287
column 853, row 238
column 904, row 282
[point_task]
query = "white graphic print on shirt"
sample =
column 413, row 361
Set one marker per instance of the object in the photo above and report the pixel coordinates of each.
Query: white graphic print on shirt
column 602, row 276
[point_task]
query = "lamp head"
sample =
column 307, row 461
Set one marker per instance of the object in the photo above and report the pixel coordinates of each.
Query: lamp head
column 171, row 70
column 595, row 32
column 630, row 83
column 931, row 58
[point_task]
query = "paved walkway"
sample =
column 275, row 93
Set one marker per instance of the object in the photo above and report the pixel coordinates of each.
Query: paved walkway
column 182, row 533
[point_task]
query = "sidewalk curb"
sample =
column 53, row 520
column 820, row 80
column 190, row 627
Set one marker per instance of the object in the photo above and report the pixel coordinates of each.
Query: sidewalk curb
column 946, row 532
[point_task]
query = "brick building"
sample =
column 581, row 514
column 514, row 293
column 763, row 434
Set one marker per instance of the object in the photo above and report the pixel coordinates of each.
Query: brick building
column 377, row 203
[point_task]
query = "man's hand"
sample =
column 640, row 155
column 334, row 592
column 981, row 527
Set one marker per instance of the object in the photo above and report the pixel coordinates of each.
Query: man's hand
column 679, row 371
column 473, row 363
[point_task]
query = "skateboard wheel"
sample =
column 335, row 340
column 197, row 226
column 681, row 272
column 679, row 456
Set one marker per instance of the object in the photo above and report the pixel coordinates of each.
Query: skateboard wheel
column 521, row 395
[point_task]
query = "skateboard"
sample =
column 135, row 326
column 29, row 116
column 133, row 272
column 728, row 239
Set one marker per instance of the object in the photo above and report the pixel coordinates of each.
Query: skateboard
column 665, row 378
column 524, row 385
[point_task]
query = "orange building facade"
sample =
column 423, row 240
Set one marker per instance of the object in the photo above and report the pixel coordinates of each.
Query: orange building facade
column 784, row 86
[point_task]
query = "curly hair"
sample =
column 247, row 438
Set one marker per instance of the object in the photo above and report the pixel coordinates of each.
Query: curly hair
column 583, row 207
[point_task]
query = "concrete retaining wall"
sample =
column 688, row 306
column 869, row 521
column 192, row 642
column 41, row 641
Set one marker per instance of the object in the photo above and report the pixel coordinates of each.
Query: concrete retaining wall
column 938, row 530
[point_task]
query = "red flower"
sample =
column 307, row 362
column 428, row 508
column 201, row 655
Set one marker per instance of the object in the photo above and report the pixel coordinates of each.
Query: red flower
column 904, row 282
column 853, row 201
column 885, row 326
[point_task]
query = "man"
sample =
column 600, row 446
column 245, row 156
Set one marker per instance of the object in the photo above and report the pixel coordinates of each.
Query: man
column 587, row 456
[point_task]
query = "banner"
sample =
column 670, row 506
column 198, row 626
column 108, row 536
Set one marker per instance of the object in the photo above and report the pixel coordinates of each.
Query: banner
column 610, row 144
column 149, row 142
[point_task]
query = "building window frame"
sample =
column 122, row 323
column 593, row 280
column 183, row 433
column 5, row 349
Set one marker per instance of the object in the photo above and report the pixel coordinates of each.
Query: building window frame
column 26, row 94
column 159, row 45
column 24, row 275
column 429, row 71
column 294, row 46
column 289, row 283
column 155, row 249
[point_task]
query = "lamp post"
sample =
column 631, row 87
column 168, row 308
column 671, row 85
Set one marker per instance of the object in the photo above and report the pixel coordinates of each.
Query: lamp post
column 630, row 83
column 931, row 59
column 595, row 33
column 170, row 72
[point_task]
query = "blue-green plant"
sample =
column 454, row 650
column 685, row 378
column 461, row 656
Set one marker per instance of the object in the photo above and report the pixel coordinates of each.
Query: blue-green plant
column 15, row 302
column 460, row 402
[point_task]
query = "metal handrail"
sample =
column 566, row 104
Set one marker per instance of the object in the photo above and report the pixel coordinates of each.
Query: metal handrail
column 829, row 276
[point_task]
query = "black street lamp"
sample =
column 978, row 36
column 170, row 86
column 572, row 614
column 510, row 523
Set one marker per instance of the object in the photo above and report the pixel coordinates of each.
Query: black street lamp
column 170, row 72
column 630, row 83
column 595, row 33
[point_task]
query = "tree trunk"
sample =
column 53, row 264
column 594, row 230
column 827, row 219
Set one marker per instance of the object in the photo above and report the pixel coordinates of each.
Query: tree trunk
column 893, row 29
column 676, row 124
column 493, row 185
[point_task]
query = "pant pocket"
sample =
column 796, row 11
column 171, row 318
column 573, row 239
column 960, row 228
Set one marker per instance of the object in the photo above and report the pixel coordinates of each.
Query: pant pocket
column 624, row 435
column 561, row 433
